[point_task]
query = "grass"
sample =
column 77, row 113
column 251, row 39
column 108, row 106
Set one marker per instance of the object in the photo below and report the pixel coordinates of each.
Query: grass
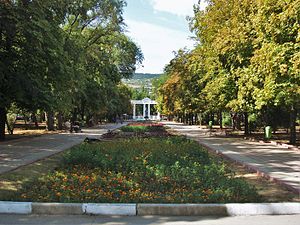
column 152, row 170
column 12, row 182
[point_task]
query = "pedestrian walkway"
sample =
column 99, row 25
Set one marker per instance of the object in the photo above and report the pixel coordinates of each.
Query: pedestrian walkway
column 276, row 162
column 146, row 220
column 20, row 152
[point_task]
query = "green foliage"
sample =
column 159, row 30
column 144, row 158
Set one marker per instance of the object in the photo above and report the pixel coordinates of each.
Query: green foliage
column 11, row 119
column 172, row 170
column 139, row 94
column 227, row 121
column 252, row 120
column 65, row 56
column 246, row 60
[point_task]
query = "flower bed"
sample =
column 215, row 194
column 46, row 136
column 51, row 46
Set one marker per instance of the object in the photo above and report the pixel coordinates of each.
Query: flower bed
column 169, row 170
column 146, row 124
column 143, row 127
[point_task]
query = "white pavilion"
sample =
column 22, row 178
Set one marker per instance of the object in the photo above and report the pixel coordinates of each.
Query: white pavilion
column 146, row 102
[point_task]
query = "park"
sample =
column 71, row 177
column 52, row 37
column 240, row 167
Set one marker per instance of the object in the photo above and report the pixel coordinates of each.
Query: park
column 86, row 130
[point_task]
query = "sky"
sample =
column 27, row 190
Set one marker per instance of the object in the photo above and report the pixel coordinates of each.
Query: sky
column 159, row 27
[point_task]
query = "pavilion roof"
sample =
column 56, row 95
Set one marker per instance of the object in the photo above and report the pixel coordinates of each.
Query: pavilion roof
column 144, row 101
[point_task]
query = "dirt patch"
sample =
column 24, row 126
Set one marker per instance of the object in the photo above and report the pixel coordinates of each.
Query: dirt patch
column 270, row 191
column 21, row 133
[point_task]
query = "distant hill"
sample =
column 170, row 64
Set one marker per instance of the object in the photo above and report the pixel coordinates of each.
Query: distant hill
column 141, row 80
column 141, row 76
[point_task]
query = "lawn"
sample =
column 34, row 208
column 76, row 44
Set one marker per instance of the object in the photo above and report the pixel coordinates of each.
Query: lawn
column 148, row 170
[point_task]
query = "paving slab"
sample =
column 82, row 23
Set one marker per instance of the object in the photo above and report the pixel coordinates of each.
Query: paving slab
column 146, row 220
column 275, row 162
column 17, row 153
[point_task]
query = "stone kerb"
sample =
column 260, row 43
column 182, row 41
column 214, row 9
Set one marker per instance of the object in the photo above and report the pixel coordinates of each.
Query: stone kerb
column 15, row 207
column 232, row 209
column 109, row 209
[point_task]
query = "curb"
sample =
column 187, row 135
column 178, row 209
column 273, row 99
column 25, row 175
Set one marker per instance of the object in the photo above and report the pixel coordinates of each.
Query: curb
column 231, row 209
column 57, row 208
column 250, row 209
column 15, row 207
column 182, row 209
column 109, row 209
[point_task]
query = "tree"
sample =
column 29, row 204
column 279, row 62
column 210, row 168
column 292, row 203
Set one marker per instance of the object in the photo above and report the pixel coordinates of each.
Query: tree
column 246, row 61
column 58, row 56
column 276, row 61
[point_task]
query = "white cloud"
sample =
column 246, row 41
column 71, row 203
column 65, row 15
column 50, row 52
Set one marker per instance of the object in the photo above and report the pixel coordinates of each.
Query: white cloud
column 177, row 7
column 157, row 44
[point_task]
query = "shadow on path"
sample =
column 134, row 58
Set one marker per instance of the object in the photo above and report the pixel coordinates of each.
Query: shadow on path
column 14, row 154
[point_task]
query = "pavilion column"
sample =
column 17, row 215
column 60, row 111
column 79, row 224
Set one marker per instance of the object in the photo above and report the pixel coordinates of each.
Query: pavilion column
column 158, row 115
column 149, row 111
column 134, row 111
column 144, row 109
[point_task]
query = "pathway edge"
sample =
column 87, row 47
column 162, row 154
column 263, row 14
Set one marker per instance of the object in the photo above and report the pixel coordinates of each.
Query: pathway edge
column 141, row 209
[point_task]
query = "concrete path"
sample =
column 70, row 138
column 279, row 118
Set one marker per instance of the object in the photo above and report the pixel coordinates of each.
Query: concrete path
column 146, row 220
column 20, row 152
column 276, row 162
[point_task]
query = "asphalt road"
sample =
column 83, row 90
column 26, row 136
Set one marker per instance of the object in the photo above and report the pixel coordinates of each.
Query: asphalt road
column 146, row 220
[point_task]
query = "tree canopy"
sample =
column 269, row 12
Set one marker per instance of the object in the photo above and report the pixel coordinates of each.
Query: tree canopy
column 246, row 61
column 64, row 56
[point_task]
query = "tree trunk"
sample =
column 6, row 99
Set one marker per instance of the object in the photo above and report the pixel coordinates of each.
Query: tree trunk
column 25, row 121
column 233, row 115
column 10, row 129
column 246, row 132
column 59, row 121
column 293, row 115
column 238, row 122
column 50, row 121
column 36, row 124
column 2, row 123
column 74, row 115
column 42, row 117
column 221, row 120
column 199, row 115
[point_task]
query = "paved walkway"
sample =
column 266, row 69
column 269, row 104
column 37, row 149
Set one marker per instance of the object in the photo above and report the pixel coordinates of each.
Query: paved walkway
column 279, row 163
column 20, row 152
column 146, row 220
